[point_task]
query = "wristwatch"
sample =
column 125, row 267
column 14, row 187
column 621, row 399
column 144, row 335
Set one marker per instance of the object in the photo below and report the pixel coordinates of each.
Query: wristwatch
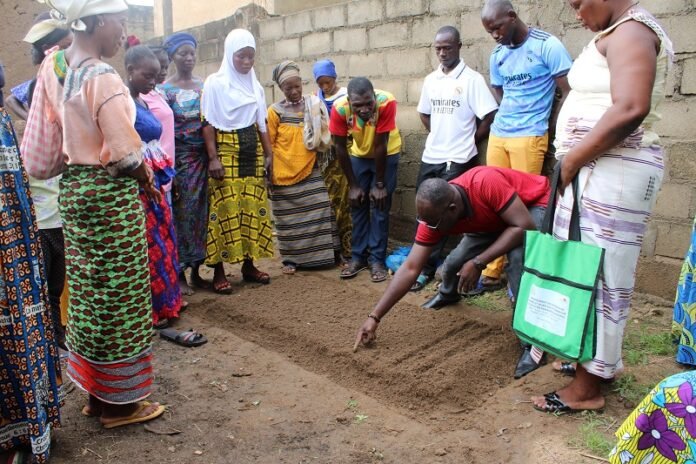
column 379, row 185
column 478, row 264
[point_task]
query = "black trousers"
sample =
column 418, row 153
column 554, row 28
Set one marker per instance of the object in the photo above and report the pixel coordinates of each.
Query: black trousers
column 53, row 248
column 447, row 171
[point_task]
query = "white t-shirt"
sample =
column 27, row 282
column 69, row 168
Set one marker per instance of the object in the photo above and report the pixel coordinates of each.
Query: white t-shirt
column 454, row 101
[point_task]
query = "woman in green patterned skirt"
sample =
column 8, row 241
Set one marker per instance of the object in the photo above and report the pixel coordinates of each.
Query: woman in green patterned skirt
column 82, row 108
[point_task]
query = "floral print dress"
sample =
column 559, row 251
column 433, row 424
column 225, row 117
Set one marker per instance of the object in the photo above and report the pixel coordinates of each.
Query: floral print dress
column 662, row 429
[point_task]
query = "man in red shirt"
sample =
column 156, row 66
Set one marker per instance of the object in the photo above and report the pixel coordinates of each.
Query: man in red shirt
column 492, row 207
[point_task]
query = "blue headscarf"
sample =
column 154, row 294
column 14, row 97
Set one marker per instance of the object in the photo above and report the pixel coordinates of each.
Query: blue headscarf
column 324, row 68
column 175, row 41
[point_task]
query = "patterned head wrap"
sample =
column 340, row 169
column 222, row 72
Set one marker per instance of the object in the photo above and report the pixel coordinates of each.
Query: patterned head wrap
column 284, row 71
column 176, row 41
column 68, row 14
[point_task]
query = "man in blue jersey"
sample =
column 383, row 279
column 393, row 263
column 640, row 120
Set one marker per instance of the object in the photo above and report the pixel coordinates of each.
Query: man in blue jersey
column 527, row 69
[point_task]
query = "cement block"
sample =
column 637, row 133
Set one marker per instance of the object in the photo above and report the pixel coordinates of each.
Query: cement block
column 208, row 51
column 396, row 87
column 672, row 239
column 408, row 174
column 365, row 11
column 688, row 80
column 658, row 277
column 299, row 23
column 409, row 62
column 671, row 86
column 370, row 65
column 407, row 120
column 287, row 49
column 407, row 203
column 399, row 8
column 388, row 35
column 478, row 56
column 330, row 17
column 674, row 201
column 663, row 7
column 471, row 27
column 649, row 240
column 350, row 40
column 681, row 161
column 415, row 87
column 316, row 44
column 271, row 29
column 681, row 30
column 453, row 6
column 678, row 119
column 424, row 29
column 576, row 39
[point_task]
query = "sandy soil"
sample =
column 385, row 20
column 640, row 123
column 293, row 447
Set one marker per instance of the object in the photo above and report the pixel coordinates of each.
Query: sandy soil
column 278, row 383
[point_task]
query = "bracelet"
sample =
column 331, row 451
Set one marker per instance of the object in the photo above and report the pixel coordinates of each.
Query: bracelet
column 372, row 316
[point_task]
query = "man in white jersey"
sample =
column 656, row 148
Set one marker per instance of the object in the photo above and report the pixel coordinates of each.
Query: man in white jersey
column 457, row 108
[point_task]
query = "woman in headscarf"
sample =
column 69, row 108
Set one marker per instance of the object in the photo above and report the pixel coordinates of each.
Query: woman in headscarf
column 81, row 123
column 298, row 127
column 329, row 91
column 143, row 69
column 239, row 152
column 606, row 137
column 42, row 39
column 190, row 199
column 45, row 192
column 29, row 373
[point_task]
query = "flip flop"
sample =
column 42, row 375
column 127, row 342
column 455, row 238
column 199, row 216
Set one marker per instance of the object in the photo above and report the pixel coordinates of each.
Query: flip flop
column 289, row 269
column 188, row 338
column 161, row 324
column 354, row 268
column 87, row 412
column 567, row 368
column 223, row 288
column 420, row 282
column 257, row 277
column 555, row 405
column 378, row 272
column 134, row 418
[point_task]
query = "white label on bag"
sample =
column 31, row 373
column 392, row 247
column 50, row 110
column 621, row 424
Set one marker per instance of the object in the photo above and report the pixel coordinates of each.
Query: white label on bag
column 548, row 310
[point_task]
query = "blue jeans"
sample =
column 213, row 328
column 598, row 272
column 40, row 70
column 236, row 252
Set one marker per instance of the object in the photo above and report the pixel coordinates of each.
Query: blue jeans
column 370, row 225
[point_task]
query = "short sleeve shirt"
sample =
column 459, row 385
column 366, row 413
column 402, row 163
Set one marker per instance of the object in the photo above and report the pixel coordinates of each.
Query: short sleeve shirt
column 527, row 74
column 490, row 191
column 344, row 124
column 454, row 101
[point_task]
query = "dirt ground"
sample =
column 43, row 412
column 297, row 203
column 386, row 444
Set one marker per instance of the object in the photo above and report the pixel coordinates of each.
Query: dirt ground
column 278, row 383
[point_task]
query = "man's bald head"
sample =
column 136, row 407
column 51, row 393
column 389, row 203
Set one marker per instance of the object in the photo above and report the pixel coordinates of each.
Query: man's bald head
column 497, row 8
column 435, row 192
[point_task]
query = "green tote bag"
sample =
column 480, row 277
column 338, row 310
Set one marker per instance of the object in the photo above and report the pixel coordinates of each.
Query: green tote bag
column 555, row 307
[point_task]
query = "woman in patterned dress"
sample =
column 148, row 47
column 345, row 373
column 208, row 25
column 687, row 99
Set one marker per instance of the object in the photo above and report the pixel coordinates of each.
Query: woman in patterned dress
column 605, row 138
column 29, row 366
column 190, row 199
column 81, row 124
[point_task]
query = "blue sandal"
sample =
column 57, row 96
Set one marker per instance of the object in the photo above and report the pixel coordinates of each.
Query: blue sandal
column 420, row 282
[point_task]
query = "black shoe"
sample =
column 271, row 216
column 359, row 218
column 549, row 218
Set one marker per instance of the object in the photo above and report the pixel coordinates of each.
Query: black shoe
column 526, row 363
column 439, row 301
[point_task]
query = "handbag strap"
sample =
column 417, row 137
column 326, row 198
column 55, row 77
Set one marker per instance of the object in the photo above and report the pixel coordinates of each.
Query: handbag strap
column 547, row 223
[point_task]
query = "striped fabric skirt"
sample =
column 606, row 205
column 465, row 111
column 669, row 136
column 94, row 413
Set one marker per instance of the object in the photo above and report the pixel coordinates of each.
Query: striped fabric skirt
column 110, row 312
column 304, row 220
column 239, row 221
column 617, row 193
column 29, row 366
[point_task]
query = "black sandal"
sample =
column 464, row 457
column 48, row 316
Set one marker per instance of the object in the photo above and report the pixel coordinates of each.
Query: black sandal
column 353, row 269
column 378, row 272
column 554, row 405
column 567, row 368
column 188, row 338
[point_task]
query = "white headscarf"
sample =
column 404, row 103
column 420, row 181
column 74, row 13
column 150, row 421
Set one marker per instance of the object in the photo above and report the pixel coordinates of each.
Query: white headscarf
column 232, row 100
column 69, row 13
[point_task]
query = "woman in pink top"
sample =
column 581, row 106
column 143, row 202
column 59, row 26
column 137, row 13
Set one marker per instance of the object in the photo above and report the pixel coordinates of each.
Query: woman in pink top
column 163, row 112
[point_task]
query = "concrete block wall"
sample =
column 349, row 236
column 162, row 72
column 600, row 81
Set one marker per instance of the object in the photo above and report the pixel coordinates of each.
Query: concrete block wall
column 389, row 42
